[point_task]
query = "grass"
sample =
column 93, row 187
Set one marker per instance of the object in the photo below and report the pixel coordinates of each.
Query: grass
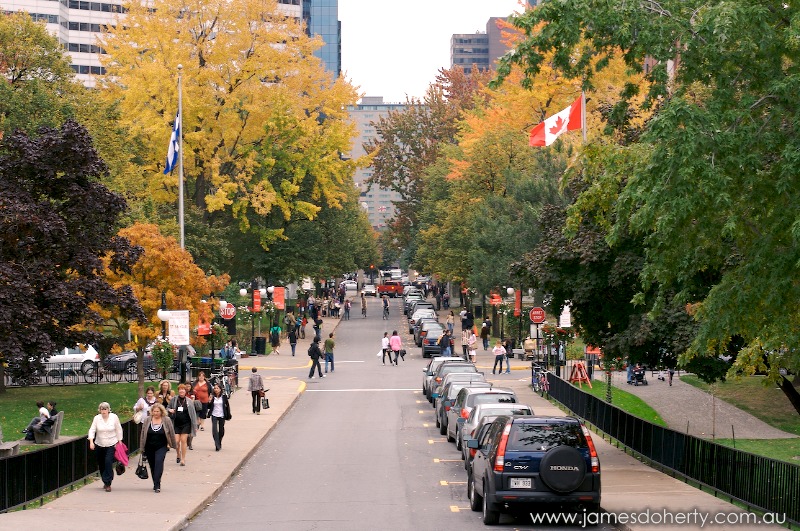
column 781, row 449
column 626, row 402
column 749, row 394
column 79, row 403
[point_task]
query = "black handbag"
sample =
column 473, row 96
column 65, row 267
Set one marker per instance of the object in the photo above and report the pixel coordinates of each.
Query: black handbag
column 265, row 403
column 141, row 470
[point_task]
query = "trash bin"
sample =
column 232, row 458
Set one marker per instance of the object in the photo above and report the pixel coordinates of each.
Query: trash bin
column 260, row 345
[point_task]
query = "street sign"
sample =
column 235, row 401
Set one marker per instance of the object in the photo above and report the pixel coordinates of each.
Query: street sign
column 228, row 312
column 537, row 315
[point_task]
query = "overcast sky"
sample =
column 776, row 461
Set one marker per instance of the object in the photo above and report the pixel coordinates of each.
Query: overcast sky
column 394, row 48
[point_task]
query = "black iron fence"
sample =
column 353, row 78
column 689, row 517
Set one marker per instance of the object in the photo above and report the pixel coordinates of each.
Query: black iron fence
column 762, row 483
column 32, row 476
column 75, row 373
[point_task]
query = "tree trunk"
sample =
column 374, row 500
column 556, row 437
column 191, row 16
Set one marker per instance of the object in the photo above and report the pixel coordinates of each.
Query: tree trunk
column 791, row 392
column 2, row 378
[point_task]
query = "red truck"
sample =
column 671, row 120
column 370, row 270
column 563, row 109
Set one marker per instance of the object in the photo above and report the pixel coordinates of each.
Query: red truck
column 392, row 288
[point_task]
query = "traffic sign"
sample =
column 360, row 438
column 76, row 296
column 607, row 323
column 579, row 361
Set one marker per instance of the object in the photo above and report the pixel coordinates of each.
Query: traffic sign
column 537, row 315
column 228, row 312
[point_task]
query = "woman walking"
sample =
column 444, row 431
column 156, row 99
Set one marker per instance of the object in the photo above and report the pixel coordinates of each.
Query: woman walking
column 146, row 403
column 386, row 348
column 255, row 384
column 220, row 412
column 451, row 319
column 293, row 339
column 104, row 434
column 157, row 436
column 201, row 392
column 472, row 346
column 275, row 338
column 165, row 393
column 184, row 416
column 396, row 344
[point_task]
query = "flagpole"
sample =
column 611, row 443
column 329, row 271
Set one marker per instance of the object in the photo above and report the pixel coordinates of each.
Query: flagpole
column 180, row 154
column 583, row 115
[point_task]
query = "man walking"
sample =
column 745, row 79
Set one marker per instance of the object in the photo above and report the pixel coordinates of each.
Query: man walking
column 329, row 344
column 486, row 332
column 314, row 352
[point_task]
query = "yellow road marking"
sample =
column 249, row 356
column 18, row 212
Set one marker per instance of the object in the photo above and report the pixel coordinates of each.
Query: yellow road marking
column 454, row 509
column 421, row 412
column 301, row 387
column 446, row 483
column 446, row 460
column 419, row 401
column 431, row 441
column 425, row 425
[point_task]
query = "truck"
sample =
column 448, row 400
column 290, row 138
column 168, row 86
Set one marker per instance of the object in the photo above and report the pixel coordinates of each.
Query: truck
column 392, row 288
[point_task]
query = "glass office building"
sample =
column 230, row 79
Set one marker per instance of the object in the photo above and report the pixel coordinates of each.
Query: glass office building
column 322, row 18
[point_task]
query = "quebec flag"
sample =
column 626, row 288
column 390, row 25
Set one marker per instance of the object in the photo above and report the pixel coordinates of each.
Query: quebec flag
column 174, row 146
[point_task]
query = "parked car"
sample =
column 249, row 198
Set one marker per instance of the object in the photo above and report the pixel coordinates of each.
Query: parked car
column 430, row 342
column 369, row 290
column 86, row 356
column 425, row 325
column 126, row 362
column 425, row 312
column 482, row 410
column 349, row 285
column 431, row 369
column 469, row 398
column 525, row 462
column 448, row 393
column 446, row 368
column 418, row 305
column 410, row 299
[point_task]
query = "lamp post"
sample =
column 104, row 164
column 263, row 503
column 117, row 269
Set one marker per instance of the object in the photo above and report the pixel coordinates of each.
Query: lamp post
column 163, row 315
column 256, row 295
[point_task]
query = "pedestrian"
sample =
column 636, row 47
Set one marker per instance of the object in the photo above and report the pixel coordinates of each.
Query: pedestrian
column 465, row 343
column 509, row 351
column 444, row 343
column 486, row 332
column 499, row 354
column 303, row 323
column 396, row 344
column 298, row 323
column 201, row 392
column 472, row 346
column 347, row 305
column 451, row 319
column 255, row 384
column 329, row 345
column 165, row 393
column 463, row 316
column 104, row 434
column 385, row 307
column 670, row 374
column 156, row 437
column 220, row 412
column 386, row 348
column 315, row 353
column 275, row 338
column 363, row 306
column 145, row 403
column 184, row 418
column 36, row 421
column 293, row 339
column 446, row 299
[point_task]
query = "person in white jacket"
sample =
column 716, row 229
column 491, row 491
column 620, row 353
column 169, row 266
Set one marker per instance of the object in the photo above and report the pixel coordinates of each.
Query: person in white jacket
column 104, row 434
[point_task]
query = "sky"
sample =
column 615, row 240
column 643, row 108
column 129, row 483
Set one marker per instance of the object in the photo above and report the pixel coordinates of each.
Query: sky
column 395, row 48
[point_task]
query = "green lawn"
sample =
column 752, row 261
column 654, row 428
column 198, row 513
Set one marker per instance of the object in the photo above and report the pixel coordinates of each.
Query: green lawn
column 749, row 393
column 78, row 402
column 782, row 449
column 626, row 402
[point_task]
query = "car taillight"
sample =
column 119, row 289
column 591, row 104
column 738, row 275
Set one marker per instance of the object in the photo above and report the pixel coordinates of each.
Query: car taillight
column 464, row 413
column 592, row 452
column 500, row 460
column 439, row 379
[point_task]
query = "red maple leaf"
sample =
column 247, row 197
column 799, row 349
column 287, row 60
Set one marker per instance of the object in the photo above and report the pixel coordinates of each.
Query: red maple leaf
column 557, row 127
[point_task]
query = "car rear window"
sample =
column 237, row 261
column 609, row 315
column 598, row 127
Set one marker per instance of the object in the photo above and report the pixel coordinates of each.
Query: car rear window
column 525, row 436
column 452, row 367
column 496, row 411
column 493, row 398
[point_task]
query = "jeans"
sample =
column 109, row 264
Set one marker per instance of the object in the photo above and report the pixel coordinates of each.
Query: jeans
column 450, row 327
column 386, row 352
column 155, row 458
column 217, row 430
column 508, row 365
column 256, row 401
column 347, row 314
column 498, row 359
column 485, row 343
column 328, row 358
column 446, row 351
column 294, row 346
column 315, row 363
column 105, row 463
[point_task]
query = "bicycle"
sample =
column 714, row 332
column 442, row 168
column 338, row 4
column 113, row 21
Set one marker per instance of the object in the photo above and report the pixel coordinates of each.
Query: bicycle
column 62, row 376
column 386, row 312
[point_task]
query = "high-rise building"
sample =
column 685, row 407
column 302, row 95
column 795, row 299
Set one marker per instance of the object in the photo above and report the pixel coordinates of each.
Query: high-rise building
column 479, row 50
column 322, row 18
column 378, row 202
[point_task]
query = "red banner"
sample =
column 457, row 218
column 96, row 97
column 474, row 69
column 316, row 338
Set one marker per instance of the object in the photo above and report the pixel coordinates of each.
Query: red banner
column 279, row 298
column 256, row 301
column 203, row 329
column 517, row 302
column 495, row 299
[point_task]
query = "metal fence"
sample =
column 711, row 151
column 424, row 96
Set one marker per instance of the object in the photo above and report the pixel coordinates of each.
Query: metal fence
column 765, row 484
column 69, row 373
column 29, row 477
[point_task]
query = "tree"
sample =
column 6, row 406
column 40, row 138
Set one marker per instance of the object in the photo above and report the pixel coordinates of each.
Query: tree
column 162, row 267
column 719, row 222
column 57, row 223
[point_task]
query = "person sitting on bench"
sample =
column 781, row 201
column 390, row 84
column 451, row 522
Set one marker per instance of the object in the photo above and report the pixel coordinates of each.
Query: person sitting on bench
column 44, row 414
column 45, row 425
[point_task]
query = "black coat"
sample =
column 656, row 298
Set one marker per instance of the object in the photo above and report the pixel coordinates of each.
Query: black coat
column 314, row 351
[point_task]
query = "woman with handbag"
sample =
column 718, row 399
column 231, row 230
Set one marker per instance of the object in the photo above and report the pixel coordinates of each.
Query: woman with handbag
column 142, row 407
column 184, row 419
column 157, row 435
column 104, row 434
column 201, row 392
column 255, row 384
column 220, row 412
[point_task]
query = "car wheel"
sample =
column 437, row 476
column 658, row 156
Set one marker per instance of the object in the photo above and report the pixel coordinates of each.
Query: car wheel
column 458, row 439
column 130, row 366
column 86, row 365
column 475, row 499
column 449, row 437
column 443, row 428
column 438, row 423
column 490, row 515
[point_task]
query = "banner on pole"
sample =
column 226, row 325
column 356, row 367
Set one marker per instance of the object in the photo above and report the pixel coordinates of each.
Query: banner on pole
column 179, row 327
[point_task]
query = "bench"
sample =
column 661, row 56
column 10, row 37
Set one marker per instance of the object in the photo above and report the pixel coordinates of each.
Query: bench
column 7, row 449
column 48, row 438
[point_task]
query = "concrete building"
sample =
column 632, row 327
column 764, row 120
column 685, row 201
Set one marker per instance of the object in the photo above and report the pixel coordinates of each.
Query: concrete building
column 322, row 18
column 77, row 24
column 378, row 202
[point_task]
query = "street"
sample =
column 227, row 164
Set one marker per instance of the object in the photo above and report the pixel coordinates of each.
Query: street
column 359, row 450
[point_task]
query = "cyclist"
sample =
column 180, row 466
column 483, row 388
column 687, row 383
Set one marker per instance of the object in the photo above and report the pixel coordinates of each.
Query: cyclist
column 385, row 307
column 363, row 306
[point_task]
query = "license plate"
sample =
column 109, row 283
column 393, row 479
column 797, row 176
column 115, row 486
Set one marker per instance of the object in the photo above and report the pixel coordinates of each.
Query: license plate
column 520, row 483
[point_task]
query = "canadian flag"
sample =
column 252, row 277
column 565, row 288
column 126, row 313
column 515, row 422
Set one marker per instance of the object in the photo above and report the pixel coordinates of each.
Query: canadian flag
column 569, row 119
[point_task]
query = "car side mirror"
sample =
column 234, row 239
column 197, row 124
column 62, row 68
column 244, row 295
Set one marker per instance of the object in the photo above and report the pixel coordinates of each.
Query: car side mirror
column 426, row 372
column 472, row 444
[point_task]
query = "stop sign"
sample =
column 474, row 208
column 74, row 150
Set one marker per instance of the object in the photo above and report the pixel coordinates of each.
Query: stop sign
column 537, row 315
column 228, row 312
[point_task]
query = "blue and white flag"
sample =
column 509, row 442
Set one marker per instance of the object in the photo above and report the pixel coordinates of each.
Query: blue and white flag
column 173, row 152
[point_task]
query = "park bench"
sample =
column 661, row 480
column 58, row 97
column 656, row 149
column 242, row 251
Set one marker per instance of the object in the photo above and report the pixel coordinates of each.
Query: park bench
column 7, row 449
column 55, row 431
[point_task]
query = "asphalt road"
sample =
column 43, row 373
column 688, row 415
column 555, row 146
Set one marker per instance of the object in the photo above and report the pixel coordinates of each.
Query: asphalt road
column 359, row 450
